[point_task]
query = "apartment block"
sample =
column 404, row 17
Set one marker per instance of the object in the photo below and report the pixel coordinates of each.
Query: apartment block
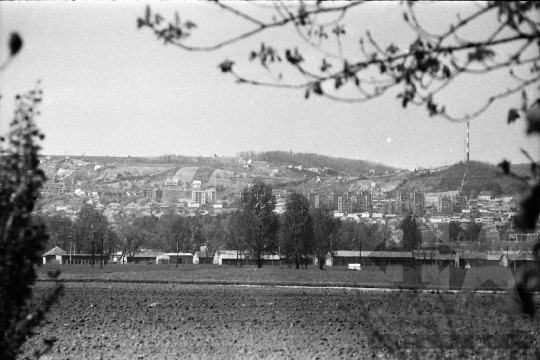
column 344, row 204
column 153, row 193
column 198, row 197
column 333, row 200
column 314, row 200
column 211, row 195
column 411, row 201
column 446, row 204
column 462, row 202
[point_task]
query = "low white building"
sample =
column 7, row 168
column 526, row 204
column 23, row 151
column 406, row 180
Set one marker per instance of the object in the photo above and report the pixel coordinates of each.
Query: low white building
column 221, row 255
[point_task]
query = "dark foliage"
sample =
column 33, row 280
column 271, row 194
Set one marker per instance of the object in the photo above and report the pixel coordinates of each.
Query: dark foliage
column 259, row 224
column 22, row 240
column 325, row 228
column 411, row 235
column 297, row 230
column 89, row 228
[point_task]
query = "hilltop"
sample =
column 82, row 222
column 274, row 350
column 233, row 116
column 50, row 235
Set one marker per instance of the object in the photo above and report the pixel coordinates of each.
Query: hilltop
column 348, row 167
column 475, row 177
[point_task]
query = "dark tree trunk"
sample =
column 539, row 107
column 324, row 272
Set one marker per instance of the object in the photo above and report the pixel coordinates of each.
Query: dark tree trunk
column 321, row 264
column 259, row 262
column 297, row 262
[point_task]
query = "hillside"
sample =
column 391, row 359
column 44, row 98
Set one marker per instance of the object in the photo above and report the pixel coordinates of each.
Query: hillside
column 349, row 167
column 122, row 180
column 479, row 176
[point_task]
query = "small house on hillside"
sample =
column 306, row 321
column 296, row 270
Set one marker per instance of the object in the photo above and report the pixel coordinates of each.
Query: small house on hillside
column 485, row 195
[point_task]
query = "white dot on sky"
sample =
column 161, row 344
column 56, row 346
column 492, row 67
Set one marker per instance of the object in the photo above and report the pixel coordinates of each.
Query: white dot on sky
column 389, row 140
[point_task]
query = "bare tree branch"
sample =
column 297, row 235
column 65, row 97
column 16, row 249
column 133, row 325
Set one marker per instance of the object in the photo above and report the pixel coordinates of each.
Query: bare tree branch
column 430, row 64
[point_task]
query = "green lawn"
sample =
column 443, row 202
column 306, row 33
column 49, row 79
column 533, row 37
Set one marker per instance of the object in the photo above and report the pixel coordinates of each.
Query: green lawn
column 393, row 277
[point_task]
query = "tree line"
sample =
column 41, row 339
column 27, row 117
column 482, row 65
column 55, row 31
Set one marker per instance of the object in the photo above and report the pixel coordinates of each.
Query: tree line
column 298, row 235
column 350, row 166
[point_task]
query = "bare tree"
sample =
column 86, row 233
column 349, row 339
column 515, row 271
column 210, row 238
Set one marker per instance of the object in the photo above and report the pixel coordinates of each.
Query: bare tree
column 297, row 229
column 259, row 224
column 324, row 228
column 419, row 71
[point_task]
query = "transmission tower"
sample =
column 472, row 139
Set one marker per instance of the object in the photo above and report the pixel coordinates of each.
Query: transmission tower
column 467, row 144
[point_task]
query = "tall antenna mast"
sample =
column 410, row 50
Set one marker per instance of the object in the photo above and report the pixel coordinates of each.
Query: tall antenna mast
column 468, row 142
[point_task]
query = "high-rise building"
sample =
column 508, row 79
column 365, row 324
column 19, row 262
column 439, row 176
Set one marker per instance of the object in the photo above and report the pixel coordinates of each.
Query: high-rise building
column 402, row 202
column 314, row 200
column 153, row 193
column 198, row 197
column 344, row 204
column 446, row 204
column 364, row 202
column 333, row 200
column 411, row 201
column 462, row 202
column 418, row 202
column 340, row 203
column 211, row 195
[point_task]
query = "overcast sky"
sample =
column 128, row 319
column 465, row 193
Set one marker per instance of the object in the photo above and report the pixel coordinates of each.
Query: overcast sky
column 111, row 89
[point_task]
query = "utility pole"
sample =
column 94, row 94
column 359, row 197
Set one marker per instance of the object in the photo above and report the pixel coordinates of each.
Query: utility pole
column 436, row 251
column 359, row 249
column 463, row 254
column 177, row 250
column 70, row 245
column 101, row 264
column 515, row 253
column 468, row 143
column 93, row 240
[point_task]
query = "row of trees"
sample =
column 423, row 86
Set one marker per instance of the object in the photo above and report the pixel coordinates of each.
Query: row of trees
column 350, row 166
column 299, row 234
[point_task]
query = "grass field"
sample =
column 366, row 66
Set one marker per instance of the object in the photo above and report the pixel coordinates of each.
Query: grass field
column 430, row 278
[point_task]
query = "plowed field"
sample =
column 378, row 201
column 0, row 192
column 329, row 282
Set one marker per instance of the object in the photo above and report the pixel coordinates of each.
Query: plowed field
column 172, row 321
